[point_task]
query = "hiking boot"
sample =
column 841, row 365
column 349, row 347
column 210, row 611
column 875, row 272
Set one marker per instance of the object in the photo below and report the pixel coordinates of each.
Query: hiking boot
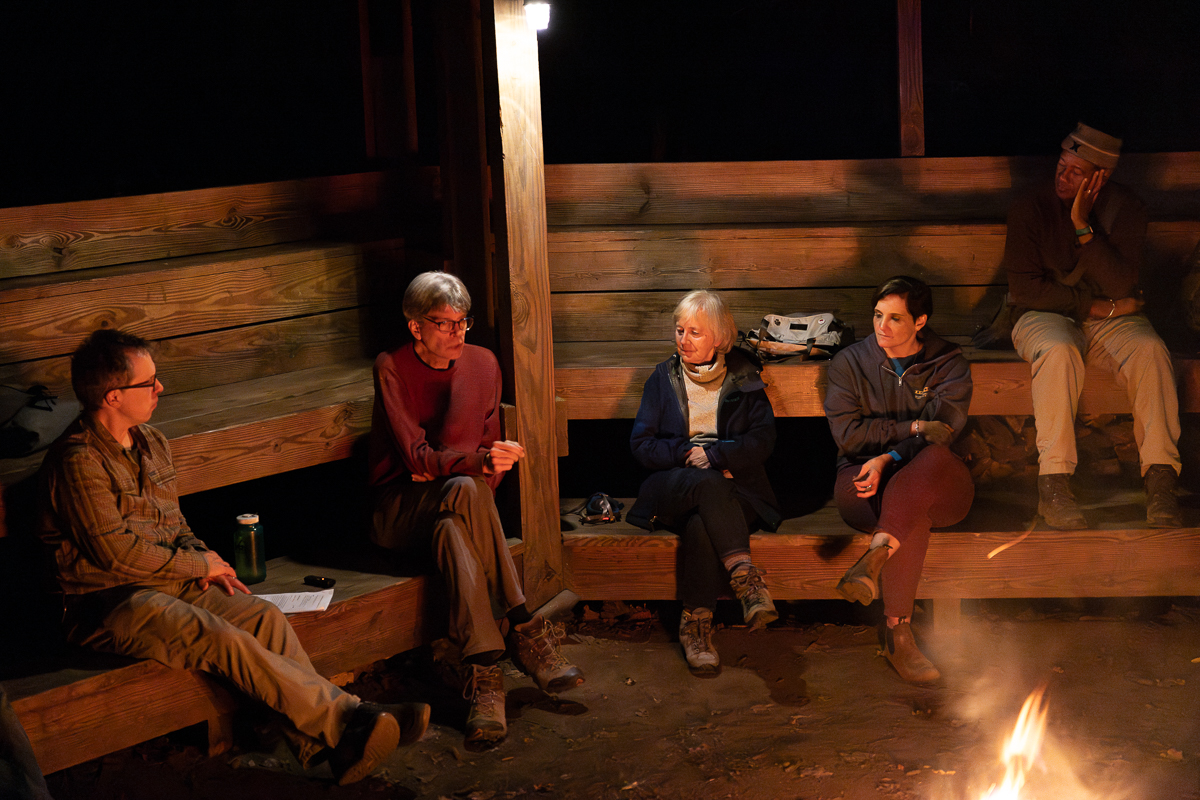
column 1162, row 507
column 486, row 721
column 757, row 608
column 900, row 649
column 1056, row 504
column 860, row 584
column 695, row 637
column 536, row 645
column 370, row 737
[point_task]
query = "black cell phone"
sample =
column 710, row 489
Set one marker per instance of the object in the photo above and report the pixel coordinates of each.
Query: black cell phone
column 318, row 581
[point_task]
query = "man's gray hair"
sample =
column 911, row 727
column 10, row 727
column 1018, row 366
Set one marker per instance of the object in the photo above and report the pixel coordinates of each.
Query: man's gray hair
column 431, row 290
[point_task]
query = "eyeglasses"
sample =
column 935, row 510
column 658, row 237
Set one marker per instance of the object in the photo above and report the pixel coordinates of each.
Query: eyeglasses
column 452, row 325
column 144, row 385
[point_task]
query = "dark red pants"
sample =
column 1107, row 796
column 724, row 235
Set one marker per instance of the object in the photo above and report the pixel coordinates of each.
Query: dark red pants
column 931, row 491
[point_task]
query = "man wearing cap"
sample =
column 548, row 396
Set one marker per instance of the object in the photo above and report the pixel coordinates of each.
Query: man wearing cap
column 1073, row 255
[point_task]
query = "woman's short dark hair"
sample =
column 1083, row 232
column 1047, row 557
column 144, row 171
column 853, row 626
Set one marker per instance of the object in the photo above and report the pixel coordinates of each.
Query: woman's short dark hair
column 102, row 363
column 917, row 297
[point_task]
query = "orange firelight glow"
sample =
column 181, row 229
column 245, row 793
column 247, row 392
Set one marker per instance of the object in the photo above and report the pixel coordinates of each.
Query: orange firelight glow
column 1022, row 748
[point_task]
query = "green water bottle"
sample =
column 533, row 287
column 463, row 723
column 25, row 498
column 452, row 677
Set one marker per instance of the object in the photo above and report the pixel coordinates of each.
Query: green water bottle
column 249, row 553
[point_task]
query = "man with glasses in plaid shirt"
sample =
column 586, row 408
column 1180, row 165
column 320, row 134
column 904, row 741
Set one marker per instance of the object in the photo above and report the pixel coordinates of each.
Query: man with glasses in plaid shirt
column 137, row 581
column 436, row 457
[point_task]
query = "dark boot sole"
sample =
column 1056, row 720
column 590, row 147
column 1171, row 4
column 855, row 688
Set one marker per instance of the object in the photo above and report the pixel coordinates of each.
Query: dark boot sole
column 855, row 592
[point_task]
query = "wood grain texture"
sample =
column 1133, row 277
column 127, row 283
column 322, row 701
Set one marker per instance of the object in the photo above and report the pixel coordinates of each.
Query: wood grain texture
column 801, row 562
column 528, row 281
column 237, row 432
column 605, row 381
column 216, row 358
column 99, row 713
column 912, row 78
column 839, row 192
column 59, row 238
column 647, row 316
column 202, row 293
column 682, row 258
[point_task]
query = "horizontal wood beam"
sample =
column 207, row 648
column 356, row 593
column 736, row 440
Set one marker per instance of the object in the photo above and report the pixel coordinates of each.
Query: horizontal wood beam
column 619, row 562
column 682, row 257
column 648, row 316
column 57, row 238
column 839, row 192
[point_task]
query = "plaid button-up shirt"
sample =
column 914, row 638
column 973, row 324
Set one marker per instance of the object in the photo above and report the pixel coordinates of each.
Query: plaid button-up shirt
column 112, row 515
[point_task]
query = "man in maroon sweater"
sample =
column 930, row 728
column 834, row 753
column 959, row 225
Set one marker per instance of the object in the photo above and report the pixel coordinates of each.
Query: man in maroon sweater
column 435, row 459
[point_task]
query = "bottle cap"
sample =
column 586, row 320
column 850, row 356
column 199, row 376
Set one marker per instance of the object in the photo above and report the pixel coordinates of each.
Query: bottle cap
column 247, row 519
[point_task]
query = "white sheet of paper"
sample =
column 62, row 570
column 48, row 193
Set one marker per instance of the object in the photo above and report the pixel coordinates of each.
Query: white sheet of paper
column 295, row 602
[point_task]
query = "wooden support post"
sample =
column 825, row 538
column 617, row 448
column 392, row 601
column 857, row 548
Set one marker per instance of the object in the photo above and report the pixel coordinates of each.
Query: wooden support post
column 912, row 78
column 525, row 331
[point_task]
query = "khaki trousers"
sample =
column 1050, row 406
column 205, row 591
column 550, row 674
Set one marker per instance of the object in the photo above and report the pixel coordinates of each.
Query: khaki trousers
column 1057, row 351
column 243, row 639
column 454, row 519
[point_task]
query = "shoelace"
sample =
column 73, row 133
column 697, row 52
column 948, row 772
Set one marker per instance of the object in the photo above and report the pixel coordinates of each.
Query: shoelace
column 698, row 631
column 543, row 643
column 488, row 691
column 749, row 586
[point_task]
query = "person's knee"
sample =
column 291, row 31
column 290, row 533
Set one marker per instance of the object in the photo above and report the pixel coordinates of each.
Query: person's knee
column 1060, row 355
column 464, row 494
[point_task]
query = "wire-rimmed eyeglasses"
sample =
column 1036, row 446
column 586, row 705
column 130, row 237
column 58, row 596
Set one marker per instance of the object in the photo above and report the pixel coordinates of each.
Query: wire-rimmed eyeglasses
column 452, row 325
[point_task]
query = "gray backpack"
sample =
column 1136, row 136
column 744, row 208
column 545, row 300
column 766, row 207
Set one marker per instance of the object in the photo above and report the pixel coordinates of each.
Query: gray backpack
column 809, row 336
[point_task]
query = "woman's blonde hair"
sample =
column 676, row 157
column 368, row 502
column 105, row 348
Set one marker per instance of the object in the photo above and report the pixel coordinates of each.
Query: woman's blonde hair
column 710, row 311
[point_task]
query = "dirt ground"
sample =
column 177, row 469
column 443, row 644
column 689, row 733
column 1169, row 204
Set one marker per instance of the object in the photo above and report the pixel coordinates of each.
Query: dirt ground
column 806, row 709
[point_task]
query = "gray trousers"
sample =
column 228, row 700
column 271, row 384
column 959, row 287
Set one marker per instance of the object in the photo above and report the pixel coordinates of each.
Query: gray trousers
column 243, row 639
column 454, row 519
column 1058, row 350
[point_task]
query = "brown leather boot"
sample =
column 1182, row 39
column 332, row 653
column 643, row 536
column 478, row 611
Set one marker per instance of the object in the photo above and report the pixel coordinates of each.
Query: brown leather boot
column 900, row 648
column 1162, row 506
column 487, row 723
column 1057, row 505
column 860, row 584
column 536, row 644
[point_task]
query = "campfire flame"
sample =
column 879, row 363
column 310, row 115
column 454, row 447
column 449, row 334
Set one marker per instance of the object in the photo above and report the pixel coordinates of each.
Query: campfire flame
column 1022, row 748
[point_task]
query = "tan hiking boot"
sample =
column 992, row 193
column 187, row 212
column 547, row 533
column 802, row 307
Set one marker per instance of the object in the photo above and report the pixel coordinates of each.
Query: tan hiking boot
column 757, row 607
column 1057, row 505
column 1162, row 506
column 695, row 637
column 486, row 721
column 536, row 645
column 900, row 649
column 860, row 584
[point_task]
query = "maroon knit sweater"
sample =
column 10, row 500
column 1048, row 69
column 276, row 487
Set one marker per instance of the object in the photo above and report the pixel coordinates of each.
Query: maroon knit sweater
column 435, row 421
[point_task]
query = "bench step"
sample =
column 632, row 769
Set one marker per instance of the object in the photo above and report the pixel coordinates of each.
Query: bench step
column 808, row 555
column 604, row 380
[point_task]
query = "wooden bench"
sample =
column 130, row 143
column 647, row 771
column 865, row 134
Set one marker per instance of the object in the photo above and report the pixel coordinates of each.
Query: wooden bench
column 628, row 240
column 264, row 339
column 104, row 704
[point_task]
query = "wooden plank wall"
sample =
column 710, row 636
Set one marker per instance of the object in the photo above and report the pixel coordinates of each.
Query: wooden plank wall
column 233, row 281
column 626, row 240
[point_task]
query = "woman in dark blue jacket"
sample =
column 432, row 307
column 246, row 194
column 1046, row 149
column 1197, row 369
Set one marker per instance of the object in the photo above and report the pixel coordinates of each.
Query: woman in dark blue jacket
column 705, row 424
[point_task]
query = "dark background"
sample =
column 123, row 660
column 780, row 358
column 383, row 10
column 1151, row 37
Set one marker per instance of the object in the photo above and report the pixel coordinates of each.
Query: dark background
column 113, row 99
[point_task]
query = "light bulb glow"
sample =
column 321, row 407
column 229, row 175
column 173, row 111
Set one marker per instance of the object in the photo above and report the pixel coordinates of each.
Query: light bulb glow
column 537, row 15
